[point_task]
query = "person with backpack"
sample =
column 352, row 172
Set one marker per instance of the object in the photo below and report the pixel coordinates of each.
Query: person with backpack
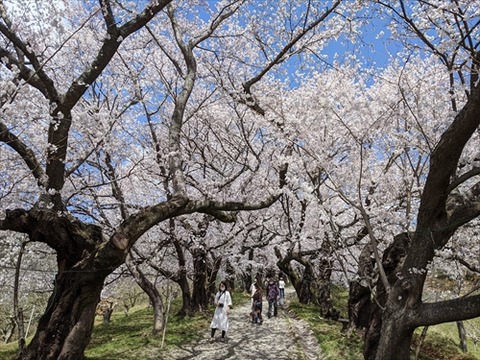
column 273, row 293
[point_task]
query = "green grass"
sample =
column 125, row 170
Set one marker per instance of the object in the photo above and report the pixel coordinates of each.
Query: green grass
column 333, row 342
column 442, row 343
column 8, row 351
column 129, row 337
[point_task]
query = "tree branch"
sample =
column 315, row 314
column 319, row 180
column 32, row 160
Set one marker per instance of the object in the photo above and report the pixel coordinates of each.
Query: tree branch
column 280, row 56
column 25, row 153
column 446, row 311
column 109, row 48
column 468, row 175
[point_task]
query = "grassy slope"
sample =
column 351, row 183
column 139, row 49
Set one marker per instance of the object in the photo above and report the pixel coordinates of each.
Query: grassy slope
column 130, row 337
column 441, row 342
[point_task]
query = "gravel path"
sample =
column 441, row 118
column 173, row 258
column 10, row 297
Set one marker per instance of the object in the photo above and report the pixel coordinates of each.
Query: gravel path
column 280, row 338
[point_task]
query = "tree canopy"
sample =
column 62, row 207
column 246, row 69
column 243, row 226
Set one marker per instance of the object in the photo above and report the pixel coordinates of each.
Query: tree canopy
column 245, row 134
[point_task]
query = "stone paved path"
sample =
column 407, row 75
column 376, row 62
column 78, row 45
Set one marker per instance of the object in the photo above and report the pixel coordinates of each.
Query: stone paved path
column 280, row 338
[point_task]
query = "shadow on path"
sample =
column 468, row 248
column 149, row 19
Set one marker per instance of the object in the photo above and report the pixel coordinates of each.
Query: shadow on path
column 278, row 338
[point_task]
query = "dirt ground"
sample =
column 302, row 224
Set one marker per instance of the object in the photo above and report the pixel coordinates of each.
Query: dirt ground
column 279, row 338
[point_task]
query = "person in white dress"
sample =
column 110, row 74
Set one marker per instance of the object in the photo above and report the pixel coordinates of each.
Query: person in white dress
column 223, row 303
column 281, row 287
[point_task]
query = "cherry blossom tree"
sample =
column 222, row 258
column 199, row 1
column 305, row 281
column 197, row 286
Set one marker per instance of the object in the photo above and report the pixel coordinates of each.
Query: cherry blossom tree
column 391, row 130
column 102, row 102
column 84, row 258
column 130, row 128
column 449, row 199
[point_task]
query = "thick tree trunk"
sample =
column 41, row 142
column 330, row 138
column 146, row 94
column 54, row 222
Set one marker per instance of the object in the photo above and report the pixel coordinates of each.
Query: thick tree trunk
column 327, row 310
column 186, row 308
column 359, row 305
column 399, row 335
column 359, row 297
column 324, row 299
column 247, row 275
column 302, row 282
column 246, row 280
column 158, row 315
column 199, row 293
column 230, row 275
column 65, row 329
column 285, row 267
column 392, row 261
column 181, row 277
column 305, row 296
column 438, row 219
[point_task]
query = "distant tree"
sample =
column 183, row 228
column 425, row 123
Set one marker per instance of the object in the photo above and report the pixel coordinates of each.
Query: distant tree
column 26, row 277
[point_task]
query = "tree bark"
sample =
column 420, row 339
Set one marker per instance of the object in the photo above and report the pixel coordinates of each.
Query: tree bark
column 199, row 293
column 392, row 261
column 66, row 326
column 181, row 277
column 323, row 281
column 186, row 308
column 16, row 308
column 359, row 297
column 247, row 276
column 65, row 329
column 304, row 282
column 230, row 275
column 436, row 223
column 462, row 336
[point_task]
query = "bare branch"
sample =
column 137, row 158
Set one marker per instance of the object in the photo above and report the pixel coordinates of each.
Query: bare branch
column 25, row 153
column 447, row 311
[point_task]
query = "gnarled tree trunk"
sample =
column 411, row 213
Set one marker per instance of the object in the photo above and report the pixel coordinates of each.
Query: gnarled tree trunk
column 323, row 282
column 392, row 261
column 305, row 295
column 199, row 293
column 359, row 297
column 66, row 326
column 65, row 329
column 439, row 216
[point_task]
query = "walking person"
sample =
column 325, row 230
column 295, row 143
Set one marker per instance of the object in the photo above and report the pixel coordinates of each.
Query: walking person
column 257, row 304
column 281, row 288
column 223, row 303
column 272, row 297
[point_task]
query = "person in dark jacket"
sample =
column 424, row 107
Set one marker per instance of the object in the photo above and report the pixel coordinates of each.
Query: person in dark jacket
column 272, row 292
column 257, row 304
